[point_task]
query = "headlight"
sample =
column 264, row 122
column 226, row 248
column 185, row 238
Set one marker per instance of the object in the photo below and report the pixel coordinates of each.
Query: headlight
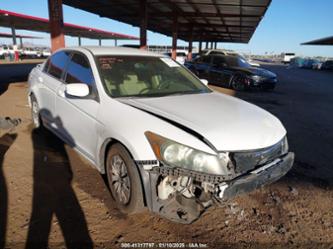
column 284, row 146
column 175, row 154
column 256, row 77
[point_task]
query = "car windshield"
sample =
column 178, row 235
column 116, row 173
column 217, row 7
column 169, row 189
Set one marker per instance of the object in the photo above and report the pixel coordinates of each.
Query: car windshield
column 138, row 76
column 237, row 61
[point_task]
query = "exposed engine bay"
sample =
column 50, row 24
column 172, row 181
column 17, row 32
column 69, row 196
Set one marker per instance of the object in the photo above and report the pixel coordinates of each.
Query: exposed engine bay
column 183, row 195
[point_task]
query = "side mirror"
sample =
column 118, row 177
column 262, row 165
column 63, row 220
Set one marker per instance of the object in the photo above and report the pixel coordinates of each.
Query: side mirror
column 204, row 81
column 77, row 90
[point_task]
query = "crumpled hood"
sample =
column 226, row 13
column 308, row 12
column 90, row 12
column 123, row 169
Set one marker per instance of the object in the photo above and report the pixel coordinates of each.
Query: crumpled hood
column 228, row 123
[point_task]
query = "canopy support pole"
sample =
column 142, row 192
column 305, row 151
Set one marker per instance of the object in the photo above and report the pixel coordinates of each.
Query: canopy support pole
column 190, row 45
column 99, row 42
column 14, row 35
column 143, row 24
column 79, row 40
column 56, row 24
column 174, row 37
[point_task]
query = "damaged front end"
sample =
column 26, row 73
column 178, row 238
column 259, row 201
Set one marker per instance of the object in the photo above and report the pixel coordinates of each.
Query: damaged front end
column 182, row 194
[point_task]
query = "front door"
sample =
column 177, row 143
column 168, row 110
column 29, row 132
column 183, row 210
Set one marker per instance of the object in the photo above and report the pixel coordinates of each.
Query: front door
column 78, row 115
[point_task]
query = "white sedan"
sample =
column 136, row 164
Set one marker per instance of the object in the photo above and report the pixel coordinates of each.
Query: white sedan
column 163, row 138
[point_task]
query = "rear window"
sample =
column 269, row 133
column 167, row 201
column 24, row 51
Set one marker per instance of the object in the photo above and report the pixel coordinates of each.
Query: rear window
column 57, row 63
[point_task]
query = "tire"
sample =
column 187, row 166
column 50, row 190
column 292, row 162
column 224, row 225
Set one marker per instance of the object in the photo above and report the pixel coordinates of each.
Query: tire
column 236, row 83
column 35, row 115
column 124, row 180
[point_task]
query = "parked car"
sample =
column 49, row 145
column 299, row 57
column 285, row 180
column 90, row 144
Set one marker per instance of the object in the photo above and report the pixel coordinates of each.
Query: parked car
column 43, row 52
column 309, row 63
column 227, row 52
column 327, row 65
column 287, row 57
column 231, row 71
column 161, row 136
column 217, row 51
column 29, row 52
column 9, row 51
column 3, row 51
column 296, row 62
column 317, row 65
column 180, row 57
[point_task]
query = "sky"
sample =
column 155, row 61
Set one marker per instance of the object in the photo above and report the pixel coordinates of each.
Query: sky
column 286, row 24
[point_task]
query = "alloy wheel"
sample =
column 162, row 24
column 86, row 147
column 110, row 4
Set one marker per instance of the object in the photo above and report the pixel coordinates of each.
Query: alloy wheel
column 120, row 181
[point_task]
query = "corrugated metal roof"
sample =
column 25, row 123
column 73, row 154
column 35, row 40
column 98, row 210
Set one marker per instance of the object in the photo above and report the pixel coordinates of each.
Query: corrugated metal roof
column 33, row 23
column 211, row 20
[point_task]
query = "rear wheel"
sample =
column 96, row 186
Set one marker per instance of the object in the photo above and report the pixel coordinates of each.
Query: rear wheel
column 124, row 180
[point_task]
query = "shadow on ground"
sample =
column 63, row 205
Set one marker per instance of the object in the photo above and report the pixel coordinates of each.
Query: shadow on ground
column 5, row 142
column 53, row 195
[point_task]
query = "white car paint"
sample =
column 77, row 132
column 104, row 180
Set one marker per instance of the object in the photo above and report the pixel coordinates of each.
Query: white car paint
column 208, row 124
column 228, row 123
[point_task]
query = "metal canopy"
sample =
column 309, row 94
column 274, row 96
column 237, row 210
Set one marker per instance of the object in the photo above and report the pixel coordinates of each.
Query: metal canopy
column 322, row 41
column 8, row 35
column 211, row 20
column 26, row 22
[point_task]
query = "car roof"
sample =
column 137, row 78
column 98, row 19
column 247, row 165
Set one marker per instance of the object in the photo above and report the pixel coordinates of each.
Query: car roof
column 108, row 50
column 224, row 55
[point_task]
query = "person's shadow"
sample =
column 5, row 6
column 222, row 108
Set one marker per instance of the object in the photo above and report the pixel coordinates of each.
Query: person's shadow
column 53, row 194
column 5, row 142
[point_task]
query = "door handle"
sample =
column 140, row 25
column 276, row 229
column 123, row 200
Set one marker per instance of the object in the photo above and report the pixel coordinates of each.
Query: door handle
column 40, row 79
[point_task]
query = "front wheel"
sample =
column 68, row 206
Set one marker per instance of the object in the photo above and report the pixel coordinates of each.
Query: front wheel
column 124, row 180
column 238, row 83
column 35, row 113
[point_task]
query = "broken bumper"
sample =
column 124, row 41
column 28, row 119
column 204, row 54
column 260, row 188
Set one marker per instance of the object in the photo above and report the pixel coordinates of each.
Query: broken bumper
column 259, row 177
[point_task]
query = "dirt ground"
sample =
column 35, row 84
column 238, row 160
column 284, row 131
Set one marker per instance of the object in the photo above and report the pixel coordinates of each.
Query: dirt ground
column 49, row 191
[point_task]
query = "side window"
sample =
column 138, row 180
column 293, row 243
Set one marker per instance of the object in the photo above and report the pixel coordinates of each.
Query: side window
column 219, row 60
column 58, row 62
column 79, row 70
column 203, row 59
column 206, row 59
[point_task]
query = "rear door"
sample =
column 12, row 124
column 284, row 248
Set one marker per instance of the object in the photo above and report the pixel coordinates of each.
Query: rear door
column 202, row 67
column 219, row 74
column 78, row 115
column 48, row 83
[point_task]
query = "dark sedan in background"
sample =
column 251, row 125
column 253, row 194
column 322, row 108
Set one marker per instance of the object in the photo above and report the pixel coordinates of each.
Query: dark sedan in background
column 231, row 71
